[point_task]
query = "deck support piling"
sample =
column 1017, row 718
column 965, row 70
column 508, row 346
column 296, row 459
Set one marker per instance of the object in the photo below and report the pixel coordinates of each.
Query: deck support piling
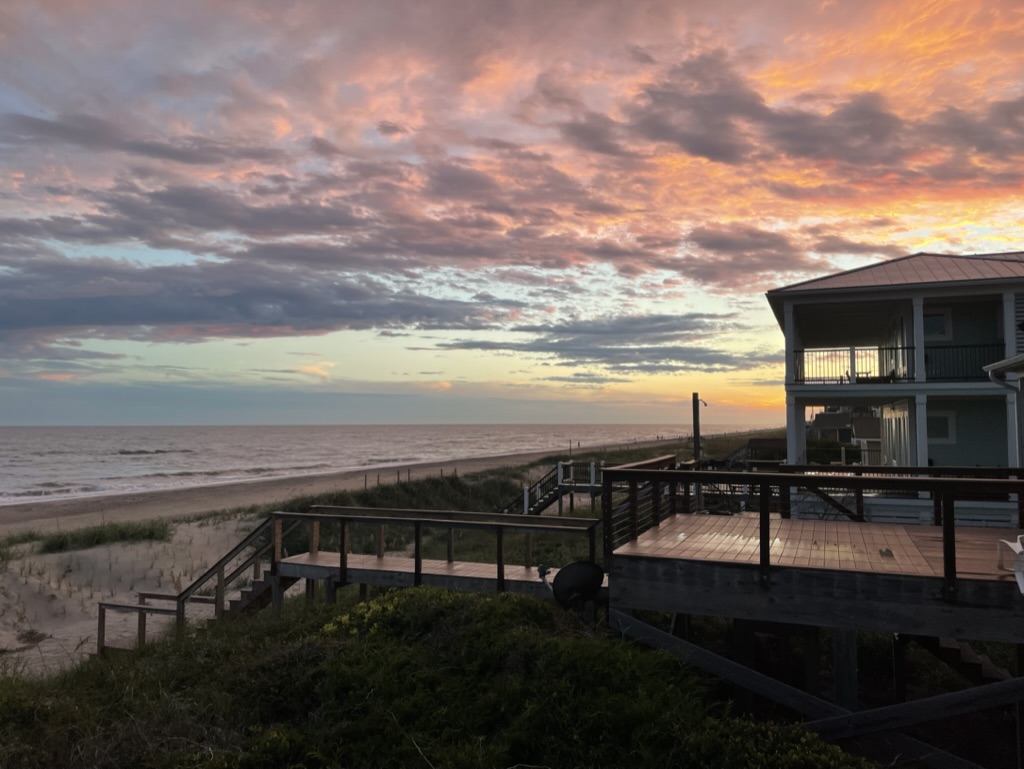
column 844, row 667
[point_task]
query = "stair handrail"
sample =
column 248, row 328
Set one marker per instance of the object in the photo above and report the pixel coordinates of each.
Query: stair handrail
column 546, row 483
column 233, row 553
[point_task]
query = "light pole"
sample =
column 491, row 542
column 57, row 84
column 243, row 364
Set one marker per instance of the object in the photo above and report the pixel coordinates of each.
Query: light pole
column 696, row 446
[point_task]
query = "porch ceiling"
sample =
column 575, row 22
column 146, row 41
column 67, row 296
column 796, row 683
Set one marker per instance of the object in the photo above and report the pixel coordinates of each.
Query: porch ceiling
column 844, row 323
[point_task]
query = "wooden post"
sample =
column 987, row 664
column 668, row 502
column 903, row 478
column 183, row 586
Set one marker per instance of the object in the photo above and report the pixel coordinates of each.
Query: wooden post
column 606, row 516
column 844, row 666
column 451, row 544
column 314, row 538
column 380, row 541
column 417, row 576
column 101, row 629
column 672, row 499
column 765, row 545
column 342, row 553
column 277, row 549
column 257, row 564
column 218, row 593
column 634, row 521
column 142, row 630
column 936, row 508
column 310, row 590
column 529, row 550
column 655, row 503
column 501, row 559
column 331, row 590
column 948, row 547
column 276, row 594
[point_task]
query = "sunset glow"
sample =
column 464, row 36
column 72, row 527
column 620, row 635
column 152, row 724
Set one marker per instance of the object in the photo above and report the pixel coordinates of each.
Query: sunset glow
column 498, row 211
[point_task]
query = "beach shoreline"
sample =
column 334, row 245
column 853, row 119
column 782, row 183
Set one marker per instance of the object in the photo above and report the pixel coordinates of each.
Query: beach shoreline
column 61, row 514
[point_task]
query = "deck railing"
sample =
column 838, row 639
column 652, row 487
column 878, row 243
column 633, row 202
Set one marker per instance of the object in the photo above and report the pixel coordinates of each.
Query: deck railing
column 379, row 525
column 628, row 511
column 887, row 365
column 851, row 365
column 960, row 362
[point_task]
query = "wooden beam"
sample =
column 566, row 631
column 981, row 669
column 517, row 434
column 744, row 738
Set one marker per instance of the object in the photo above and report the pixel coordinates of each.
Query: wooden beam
column 939, row 707
column 790, row 696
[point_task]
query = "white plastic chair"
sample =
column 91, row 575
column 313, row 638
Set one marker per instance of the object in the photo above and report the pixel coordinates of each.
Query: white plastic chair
column 1017, row 548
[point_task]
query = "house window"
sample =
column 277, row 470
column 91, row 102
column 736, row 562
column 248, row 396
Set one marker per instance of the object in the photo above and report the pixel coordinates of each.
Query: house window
column 942, row 427
column 938, row 324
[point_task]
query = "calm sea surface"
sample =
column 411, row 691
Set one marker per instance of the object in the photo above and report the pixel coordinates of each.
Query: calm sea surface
column 39, row 463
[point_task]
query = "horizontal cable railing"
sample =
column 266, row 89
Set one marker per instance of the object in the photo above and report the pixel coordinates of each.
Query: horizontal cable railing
column 773, row 493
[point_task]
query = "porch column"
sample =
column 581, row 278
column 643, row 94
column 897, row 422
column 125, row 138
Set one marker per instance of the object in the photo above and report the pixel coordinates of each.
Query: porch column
column 918, row 326
column 1009, row 324
column 796, row 431
column 1012, row 429
column 920, row 431
column 789, row 331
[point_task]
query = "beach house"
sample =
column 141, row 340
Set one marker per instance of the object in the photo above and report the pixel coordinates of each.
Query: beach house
column 909, row 339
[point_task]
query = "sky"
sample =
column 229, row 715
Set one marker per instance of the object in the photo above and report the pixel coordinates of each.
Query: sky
column 447, row 211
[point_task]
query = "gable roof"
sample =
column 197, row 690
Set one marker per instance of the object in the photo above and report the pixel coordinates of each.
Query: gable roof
column 918, row 269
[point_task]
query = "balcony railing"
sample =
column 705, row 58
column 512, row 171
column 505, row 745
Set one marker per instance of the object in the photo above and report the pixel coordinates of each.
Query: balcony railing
column 886, row 365
column 850, row 365
column 956, row 363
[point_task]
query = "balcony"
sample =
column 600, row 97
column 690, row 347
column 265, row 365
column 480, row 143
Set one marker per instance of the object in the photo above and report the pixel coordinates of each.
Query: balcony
column 890, row 365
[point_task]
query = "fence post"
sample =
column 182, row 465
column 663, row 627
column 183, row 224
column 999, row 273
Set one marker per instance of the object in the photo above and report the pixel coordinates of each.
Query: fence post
column 380, row 541
column 142, row 630
column 276, row 550
column 606, row 516
column 451, row 544
column 314, row 538
column 655, row 502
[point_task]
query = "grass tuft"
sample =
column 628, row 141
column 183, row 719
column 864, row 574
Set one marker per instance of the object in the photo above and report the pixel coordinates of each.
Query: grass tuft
column 80, row 539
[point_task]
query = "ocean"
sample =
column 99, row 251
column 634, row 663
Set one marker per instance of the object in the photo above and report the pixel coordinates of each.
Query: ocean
column 42, row 463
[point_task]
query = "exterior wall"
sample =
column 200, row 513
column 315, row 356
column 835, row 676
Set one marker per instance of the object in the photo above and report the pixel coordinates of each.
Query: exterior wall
column 972, row 322
column 980, row 428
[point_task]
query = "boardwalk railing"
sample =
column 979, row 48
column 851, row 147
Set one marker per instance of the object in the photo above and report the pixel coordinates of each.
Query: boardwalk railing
column 379, row 524
column 628, row 512
column 251, row 553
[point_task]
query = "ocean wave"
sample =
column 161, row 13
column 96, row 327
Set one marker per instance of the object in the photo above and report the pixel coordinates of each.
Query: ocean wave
column 371, row 461
column 238, row 471
column 51, row 490
column 141, row 452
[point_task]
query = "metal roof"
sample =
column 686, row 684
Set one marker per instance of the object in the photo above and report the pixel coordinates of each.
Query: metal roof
column 917, row 269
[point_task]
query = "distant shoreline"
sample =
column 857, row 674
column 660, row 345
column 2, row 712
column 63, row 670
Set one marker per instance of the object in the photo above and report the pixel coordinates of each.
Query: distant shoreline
column 55, row 514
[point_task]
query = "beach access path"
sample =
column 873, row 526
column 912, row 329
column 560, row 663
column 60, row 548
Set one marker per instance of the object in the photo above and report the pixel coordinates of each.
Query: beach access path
column 63, row 514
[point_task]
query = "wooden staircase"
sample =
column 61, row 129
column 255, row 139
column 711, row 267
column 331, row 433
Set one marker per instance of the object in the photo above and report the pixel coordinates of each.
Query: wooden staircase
column 257, row 595
column 959, row 655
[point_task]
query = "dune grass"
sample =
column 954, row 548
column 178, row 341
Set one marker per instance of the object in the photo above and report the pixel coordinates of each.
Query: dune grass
column 91, row 536
column 413, row 678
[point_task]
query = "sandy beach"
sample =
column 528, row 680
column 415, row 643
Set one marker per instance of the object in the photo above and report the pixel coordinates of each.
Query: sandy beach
column 62, row 514
column 48, row 601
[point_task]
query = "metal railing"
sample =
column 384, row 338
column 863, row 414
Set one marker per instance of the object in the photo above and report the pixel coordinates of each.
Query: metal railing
column 959, row 362
column 849, row 365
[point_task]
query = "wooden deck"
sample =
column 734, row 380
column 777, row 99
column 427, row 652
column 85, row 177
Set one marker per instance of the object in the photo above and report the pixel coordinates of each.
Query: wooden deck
column 864, row 576
column 865, row 547
column 395, row 570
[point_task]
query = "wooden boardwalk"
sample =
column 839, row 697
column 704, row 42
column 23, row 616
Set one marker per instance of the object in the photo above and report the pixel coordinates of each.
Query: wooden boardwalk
column 844, row 545
column 396, row 570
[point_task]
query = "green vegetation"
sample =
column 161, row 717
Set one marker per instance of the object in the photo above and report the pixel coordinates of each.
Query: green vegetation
column 79, row 539
column 413, row 678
